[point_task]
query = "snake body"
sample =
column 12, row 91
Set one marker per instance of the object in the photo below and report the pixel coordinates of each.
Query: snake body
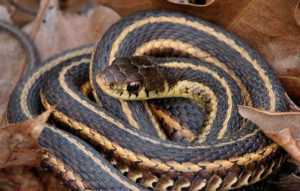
column 207, row 64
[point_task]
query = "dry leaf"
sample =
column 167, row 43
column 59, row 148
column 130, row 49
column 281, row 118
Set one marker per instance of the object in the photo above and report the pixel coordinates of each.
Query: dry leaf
column 19, row 142
column 79, row 6
column 12, row 64
column 132, row 6
column 292, row 87
column 297, row 14
column 288, row 183
column 22, row 11
column 291, row 103
column 282, row 127
column 270, row 27
column 192, row 3
column 289, row 177
column 52, row 182
column 19, row 179
column 53, row 31
column 25, row 178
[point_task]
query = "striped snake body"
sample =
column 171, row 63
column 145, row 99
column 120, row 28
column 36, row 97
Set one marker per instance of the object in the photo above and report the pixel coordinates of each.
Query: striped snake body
column 207, row 64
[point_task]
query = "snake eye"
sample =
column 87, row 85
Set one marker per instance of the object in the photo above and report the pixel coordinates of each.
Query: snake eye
column 133, row 87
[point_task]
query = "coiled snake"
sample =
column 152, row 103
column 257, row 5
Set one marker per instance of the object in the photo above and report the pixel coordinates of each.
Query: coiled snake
column 155, row 54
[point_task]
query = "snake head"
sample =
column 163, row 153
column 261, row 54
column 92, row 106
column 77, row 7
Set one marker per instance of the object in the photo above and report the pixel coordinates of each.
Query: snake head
column 131, row 78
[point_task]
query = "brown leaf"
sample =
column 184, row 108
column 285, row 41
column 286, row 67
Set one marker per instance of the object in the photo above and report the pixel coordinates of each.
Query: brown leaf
column 282, row 127
column 288, row 183
column 192, row 3
column 25, row 178
column 289, row 177
column 52, row 182
column 291, row 103
column 19, row 142
column 270, row 27
column 18, row 179
column 12, row 64
column 292, row 87
column 22, row 11
column 132, row 6
column 53, row 31
column 297, row 14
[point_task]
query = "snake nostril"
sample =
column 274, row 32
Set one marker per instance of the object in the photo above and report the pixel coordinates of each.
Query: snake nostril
column 111, row 86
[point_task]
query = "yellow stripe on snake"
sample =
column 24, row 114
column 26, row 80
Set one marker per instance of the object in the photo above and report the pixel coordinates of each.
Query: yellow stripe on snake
column 162, row 113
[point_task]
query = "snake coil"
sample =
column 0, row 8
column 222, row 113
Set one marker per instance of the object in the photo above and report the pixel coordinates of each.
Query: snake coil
column 204, row 62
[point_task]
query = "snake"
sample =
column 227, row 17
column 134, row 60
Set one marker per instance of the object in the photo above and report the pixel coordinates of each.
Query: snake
column 154, row 105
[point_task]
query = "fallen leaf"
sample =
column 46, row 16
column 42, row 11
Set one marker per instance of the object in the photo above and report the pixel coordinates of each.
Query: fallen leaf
column 132, row 6
column 289, row 177
column 79, row 6
column 22, row 11
column 12, row 64
column 293, row 165
column 192, row 3
column 18, row 179
column 282, row 127
column 288, row 183
column 26, row 178
column 19, row 142
column 297, row 14
column 52, row 182
column 292, row 87
column 270, row 27
column 291, row 103
column 54, row 31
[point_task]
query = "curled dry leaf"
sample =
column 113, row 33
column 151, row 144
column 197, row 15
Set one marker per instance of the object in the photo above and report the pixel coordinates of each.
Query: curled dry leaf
column 19, row 142
column 282, row 127
column 53, row 31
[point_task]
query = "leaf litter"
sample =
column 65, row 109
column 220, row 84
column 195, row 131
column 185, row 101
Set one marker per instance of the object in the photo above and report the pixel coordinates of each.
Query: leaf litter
column 272, row 27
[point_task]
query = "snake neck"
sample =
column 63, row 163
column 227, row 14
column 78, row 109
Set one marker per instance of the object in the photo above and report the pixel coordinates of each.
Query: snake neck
column 194, row 91
column 183, row 83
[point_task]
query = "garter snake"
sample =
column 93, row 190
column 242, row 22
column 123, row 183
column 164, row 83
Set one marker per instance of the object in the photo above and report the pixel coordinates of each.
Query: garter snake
column 194, row 59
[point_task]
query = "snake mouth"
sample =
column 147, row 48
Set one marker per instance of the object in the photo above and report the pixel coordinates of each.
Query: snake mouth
column 119, row 90
column 110, row 88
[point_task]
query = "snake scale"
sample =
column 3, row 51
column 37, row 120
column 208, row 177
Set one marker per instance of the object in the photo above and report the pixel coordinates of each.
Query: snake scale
column 203, row 70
